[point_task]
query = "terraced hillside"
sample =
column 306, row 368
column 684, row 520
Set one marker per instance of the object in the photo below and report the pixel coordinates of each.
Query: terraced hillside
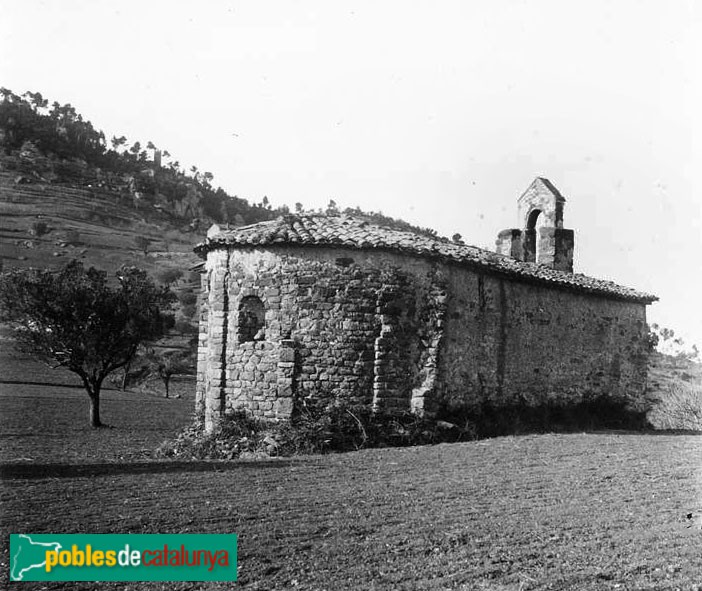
column 100, row 228
column 89, row 223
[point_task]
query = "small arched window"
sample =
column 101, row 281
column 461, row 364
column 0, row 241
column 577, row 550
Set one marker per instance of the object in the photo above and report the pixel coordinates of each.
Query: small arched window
column 252, row 319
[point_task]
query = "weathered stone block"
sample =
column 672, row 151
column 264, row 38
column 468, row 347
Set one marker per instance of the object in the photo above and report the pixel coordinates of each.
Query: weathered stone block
column 287, row 355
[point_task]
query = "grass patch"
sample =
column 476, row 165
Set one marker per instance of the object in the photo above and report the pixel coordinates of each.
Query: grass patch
column 44, row 417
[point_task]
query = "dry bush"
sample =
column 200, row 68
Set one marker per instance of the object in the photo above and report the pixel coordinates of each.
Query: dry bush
column 39, row 229
column 679, row 408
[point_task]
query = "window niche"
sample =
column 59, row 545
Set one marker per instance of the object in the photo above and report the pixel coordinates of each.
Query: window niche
column 252, row 319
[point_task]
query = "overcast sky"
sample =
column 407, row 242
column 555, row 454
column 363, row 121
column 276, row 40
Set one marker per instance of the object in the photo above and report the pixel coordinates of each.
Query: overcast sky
column 441, row 113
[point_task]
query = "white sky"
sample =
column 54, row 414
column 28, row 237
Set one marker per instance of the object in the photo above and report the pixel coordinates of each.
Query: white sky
column 437, row 112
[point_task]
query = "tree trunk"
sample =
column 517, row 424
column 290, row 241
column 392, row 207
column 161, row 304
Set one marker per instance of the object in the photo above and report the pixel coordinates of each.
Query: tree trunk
column 95, row 408
column 166, row 381
column 126, row 375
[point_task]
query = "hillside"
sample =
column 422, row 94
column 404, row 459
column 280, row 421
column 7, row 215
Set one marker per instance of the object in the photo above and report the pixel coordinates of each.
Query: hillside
column 44, row 225
column 674, row 392
column 68, row 192
column 92, row 224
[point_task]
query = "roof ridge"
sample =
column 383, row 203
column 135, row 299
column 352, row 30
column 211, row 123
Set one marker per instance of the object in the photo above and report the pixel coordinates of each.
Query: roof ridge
column 319, row 229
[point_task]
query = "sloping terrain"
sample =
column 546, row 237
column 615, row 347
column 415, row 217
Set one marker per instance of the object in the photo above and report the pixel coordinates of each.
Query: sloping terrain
column 89, row 223
column 101, row 228
column 666, row 372
column 674, row 393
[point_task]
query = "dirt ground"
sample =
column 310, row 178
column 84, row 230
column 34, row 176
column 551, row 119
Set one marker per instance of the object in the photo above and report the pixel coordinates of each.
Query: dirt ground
column 579, row 511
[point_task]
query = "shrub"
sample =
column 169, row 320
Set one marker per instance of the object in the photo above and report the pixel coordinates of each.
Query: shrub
column 169, row 276
column 68, row 170
column 189, row 310
column 679, row 408
column 39, row 229
column 341, row 427
column 187, row 298
column 238, row 432
column 336, row 428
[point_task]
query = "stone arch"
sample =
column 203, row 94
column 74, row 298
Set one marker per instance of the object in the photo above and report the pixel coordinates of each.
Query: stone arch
column 252, row 319
column 536, row 219
column 532, row 218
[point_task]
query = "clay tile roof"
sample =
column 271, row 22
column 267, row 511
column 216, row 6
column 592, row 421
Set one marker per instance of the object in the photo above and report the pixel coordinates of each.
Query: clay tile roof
column 355, row 232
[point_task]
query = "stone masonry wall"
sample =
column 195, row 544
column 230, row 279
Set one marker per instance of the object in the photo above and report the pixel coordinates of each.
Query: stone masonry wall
column 340, row 325
column 398, row 332
column 507, row 341
column 202, row 352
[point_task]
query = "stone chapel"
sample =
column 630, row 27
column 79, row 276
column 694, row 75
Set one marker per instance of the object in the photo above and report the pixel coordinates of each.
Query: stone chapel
column 314, row 309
